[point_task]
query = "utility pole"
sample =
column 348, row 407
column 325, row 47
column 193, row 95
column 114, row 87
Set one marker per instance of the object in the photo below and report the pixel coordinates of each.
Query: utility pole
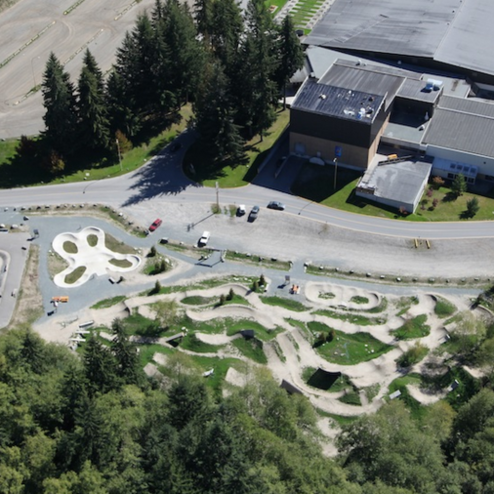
column 335, row 161
column 119, row 154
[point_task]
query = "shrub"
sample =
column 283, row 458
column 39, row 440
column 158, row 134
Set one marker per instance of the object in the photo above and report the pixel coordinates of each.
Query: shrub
column 262, row 280
column 435, row 202
column 413, row 355
column 437, row 182
column 430, row 192
column 472, row 207
column 230, row 295
column 156, row 289
column 255, row 286
column 222, row 300
column 152, row 252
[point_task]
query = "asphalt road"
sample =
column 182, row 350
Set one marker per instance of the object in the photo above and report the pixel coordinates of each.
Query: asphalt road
column 161, row 180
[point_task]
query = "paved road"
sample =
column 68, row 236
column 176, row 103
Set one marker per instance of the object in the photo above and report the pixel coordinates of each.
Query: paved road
column 162, row 180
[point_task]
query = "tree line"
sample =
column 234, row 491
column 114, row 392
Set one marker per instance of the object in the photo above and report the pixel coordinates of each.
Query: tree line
column 94, row 422
column 233, row 67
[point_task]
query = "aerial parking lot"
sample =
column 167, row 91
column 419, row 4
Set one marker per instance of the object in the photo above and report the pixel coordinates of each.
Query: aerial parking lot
column 30, row 31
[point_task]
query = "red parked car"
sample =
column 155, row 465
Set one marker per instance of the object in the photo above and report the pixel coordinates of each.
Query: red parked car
column 155, row 224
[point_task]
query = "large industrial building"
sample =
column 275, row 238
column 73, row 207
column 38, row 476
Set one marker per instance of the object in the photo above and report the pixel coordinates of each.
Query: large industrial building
column 414, row 79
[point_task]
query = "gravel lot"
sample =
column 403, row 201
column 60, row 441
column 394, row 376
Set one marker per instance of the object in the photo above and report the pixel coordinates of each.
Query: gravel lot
column 289, row 237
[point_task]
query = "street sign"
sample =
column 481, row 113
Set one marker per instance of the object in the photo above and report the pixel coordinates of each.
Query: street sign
column 338, row 150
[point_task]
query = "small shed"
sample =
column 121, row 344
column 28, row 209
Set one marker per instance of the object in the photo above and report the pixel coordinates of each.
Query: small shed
column 323, row 379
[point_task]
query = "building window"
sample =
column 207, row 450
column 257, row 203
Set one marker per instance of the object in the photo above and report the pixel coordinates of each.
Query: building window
column 451, row 176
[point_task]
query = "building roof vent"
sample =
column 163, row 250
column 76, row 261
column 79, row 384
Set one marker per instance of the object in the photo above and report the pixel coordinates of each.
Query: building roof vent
column 322, row 96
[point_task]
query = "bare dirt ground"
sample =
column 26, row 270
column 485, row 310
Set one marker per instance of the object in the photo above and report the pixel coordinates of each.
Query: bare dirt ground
column 29, row 301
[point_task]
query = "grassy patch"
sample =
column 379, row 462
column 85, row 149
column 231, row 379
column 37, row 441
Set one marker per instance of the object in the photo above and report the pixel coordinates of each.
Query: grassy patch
column 70, row 247
column 235, row 326
column 197, row 300
column 138, row 324
column 286, row 303
column 416, row 409
column 220, row 366
column 403, row 304
column 444, row 308
column 351, row 398
column 257, row 151
column 357, row 299
column 121, row 263
column 7, row 147
column 339, row 419
column 413, row 355
column 194, row 344
column 257, row 260
column 108, row 302
column 75, row 275
column 111, row 243
column 351, row 349
column 146, row 352
column 413, row 328
column 383, row 305
column 252, row 349
column 371, row 391
column 326, row 295
column 316, row 183
column 353, row 318
column 92, row 240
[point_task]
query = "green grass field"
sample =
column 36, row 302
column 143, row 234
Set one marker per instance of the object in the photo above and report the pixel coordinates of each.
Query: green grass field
column 351, row 317
column 351, row 349
column 252, row 349
column 413, row 328
column 108, row 302
column 286, row 303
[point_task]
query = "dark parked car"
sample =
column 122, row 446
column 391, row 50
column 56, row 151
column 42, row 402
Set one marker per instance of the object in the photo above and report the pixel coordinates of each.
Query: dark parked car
column 156, row 223
column 279, row 206
column 254, row 213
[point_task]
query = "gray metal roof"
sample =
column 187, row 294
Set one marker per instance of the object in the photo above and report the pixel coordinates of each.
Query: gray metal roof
column 462, row 131
column 337, row 102
column 397, row 181
column 467, row 105
column 416, row 90
column 455, row 32
column 413, row 28
column 363, row 79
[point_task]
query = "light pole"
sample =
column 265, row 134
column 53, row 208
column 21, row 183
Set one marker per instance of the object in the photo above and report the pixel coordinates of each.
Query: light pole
column 335, row 161
column 217, row 196
column 119, row 154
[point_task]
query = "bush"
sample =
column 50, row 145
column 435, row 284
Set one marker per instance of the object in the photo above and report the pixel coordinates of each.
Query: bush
column 156, row 289
column 152, row 252
column 262, row 280
column 230, row 295
column 472, row 207
column 222, row 300
column 413, row 355
column 437, row 182
column 255, row 286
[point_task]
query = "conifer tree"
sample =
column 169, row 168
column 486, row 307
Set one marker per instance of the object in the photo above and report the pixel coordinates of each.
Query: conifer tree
column 59, row 102
column 219, row 137
column 290, row 54
column 93, row 124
